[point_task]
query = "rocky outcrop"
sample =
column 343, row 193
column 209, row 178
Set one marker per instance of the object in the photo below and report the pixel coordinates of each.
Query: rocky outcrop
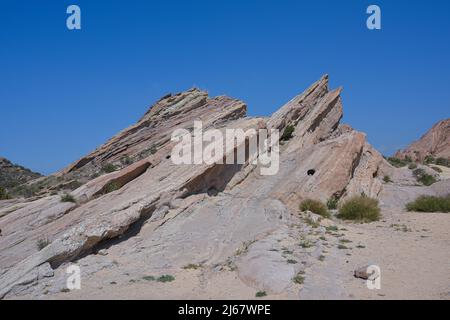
column 151, row 134
column 160, row 215
column 436, row 143
column 12, row 175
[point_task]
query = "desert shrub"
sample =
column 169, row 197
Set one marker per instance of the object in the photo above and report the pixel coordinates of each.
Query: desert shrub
column 94, row 175
column 148, row 152
column 332, row 203
column 4, row 195
column 398, row 163
column 166, row 278
column 111, row 186
column 412, row 166
column 299, row 278
column 126, row 160
column 42, row 243
column 443, row 162
column 427, row 180
column 67, row 198
column 429, row 160
column 75, row 184
column 423, row 177
column 260, row 294
column 108, row 168
column 287, row 134
column 192, row 266
column 314, row 206
column 360, row 208
column 24, row 190
column 387, row 179
column 430, row 204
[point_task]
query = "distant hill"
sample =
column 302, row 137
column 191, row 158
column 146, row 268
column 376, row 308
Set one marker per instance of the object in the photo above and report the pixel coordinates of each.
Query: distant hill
column 435, row 143
column 12, row 175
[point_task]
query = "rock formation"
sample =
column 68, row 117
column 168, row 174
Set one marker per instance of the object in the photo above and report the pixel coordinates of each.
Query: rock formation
column 157, row 216
column 12, row 175
column 436, row 143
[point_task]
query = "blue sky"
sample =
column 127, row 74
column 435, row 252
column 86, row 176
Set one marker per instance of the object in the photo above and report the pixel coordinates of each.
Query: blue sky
column 63, row 93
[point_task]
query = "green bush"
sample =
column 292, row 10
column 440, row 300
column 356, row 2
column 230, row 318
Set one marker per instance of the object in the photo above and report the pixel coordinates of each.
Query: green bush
column 423, row 177
column 166, row 278
column 387, row 179
column 287, row 134
column 111, row 186
column 299, row 278
column 67, row 198
column 126, row 160
column 314, row 206
column 430, row 204
column 108, row 168
column 427, row 180
column 4, row 195
column 412, row 166
column 332, row 203
column 42, row 243
column 429, row 160
column 398, row 163
column 260, row 294
column 360, row 208
column 443, row 162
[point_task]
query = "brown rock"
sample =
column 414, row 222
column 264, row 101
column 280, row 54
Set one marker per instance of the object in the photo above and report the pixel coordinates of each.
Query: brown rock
column 436, row 142
column 363, row 274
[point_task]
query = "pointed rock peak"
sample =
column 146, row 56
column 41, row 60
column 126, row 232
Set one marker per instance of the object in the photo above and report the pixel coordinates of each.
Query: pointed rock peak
column 195, row 89
column 324, row 79
column 175, row 103
column 322, row 83
column 434, row 143
column 296, row 109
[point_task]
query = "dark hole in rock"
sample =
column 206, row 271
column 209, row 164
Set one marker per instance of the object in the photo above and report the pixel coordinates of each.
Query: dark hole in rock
column 212, row 192
column 311, row 172
column 168, row 157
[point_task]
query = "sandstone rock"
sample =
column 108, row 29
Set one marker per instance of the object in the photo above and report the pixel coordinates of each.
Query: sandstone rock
column 436, row 142
column 12, row 175
column 363, row 273
column 157, row 215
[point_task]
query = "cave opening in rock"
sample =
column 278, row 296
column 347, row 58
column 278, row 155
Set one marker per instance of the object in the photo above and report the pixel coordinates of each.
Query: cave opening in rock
column 311, row 172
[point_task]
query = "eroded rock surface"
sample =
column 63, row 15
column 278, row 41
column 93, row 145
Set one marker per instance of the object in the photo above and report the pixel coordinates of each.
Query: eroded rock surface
column 436, row 143
column 152, row 216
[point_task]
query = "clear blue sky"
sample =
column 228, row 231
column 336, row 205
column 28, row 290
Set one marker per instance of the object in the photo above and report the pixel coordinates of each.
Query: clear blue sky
column 63, row 93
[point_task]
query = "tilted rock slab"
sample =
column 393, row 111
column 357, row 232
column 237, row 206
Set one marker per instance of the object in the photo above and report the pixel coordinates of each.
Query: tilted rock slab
column 198, row 213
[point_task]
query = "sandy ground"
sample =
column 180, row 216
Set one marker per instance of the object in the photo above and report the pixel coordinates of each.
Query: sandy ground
column 412, row 251
column 445, row 174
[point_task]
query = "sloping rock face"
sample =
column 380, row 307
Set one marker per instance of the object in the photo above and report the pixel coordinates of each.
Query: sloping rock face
column 436, row 143
column 151, row 134
column 155, row 215
column 12, row 175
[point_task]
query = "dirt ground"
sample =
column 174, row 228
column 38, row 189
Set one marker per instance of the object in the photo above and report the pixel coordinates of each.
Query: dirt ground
column 412, row 251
